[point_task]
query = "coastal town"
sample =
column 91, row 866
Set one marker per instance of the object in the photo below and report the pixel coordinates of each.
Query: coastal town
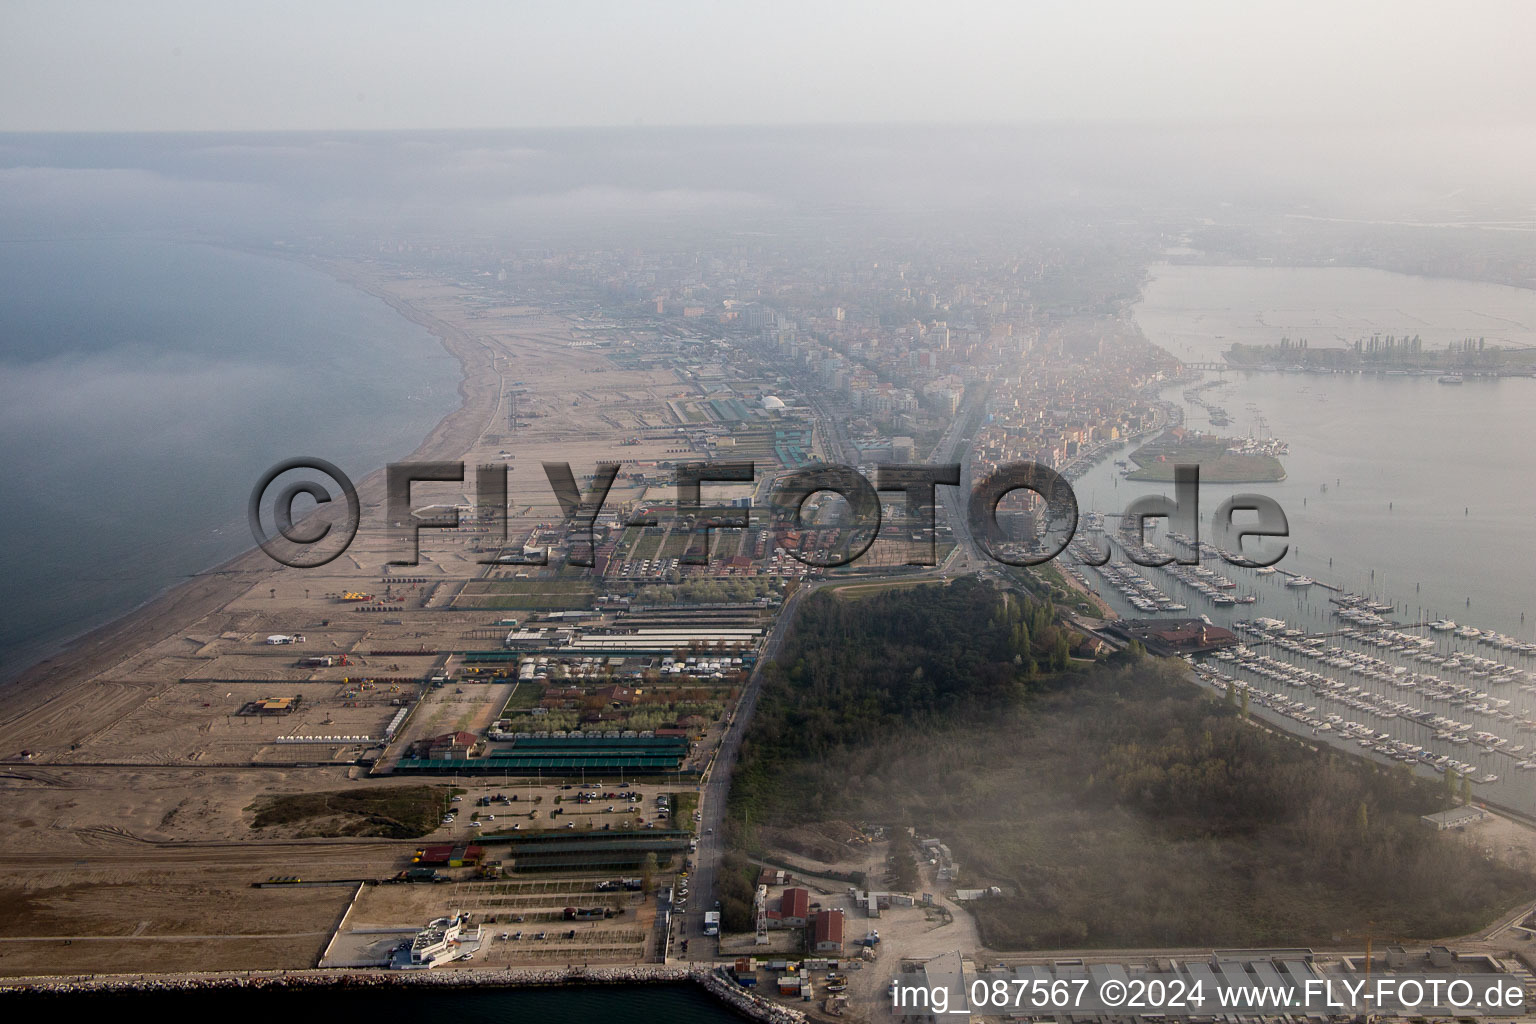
column 574, row 715
column 510, row 753
column 802, row 514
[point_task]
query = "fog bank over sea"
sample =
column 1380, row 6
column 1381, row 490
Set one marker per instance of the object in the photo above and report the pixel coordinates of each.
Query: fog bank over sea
column 1199, row 312
column 146, row 385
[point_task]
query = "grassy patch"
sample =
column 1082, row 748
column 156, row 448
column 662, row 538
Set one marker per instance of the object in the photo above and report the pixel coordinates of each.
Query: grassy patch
column 855, row 591
column 395, row 812
column 683, row 805
column 676, row 543
column 1157, row 459
column 525, row 695
column 527, row 595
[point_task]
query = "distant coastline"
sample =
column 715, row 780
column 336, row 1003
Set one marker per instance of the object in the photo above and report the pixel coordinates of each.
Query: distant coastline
column 95, row 650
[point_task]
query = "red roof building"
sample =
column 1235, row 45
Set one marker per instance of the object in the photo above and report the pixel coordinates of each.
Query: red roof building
column 618, row 695
column 449, row 855
column 453, row 745
column 795, row 907
column 827, row 932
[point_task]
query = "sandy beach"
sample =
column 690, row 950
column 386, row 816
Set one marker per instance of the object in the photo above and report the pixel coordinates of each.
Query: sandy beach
column 129, row 826
column 98, row 651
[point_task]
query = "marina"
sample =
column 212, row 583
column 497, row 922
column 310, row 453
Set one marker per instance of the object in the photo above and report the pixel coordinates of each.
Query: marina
column 1395, row 625
column 1466, row 714
column 1351, row 670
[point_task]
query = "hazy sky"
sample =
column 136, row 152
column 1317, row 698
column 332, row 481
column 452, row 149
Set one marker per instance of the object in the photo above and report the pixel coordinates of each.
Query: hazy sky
column 69, row 65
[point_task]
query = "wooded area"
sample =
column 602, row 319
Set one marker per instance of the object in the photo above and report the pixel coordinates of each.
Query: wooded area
column 1117, row 806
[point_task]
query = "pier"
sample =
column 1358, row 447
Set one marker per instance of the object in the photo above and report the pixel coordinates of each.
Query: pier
column 1315, row 582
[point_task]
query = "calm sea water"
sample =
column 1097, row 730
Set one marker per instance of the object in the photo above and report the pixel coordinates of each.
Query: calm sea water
column 1402, row 488
column 1197, row 312
column 145, row 386
column 643, row 1004
column 1425, row 485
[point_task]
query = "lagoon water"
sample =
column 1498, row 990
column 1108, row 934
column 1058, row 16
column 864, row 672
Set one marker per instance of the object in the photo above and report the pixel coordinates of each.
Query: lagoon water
column 146, row 385
column 1401, row 488
column 1197, row 312
column 1432, row 487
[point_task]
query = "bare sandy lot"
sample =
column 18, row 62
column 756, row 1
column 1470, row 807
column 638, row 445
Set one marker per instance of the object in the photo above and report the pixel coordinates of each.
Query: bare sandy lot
column 126, row 767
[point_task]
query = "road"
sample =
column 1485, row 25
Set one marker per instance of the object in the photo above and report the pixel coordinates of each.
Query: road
column 967, row 555
column 840, row 447
column 717, row 785
column 715, row 789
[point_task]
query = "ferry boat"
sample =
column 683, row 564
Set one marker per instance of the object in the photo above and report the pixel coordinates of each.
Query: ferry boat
column 1300, row 581
column 444, row 940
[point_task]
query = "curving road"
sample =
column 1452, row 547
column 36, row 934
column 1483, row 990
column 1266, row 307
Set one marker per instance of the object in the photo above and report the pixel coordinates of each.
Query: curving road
column 717, row 785
column 715, row 788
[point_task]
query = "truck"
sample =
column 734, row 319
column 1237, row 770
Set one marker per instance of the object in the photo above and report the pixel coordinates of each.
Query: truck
column 585, row 913
column 712, row 922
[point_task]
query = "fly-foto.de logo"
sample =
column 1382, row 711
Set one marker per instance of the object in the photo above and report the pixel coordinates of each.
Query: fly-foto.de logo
column 328, row 530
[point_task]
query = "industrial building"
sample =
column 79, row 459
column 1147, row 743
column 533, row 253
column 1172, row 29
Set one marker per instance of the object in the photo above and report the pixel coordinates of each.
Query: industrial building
column 449, row 855
column 795, row 908
column 561, row 850
column 827, row 932
column 574, row 754
column 1456, row 817
column 273, row 706
column 1166, row 637
column 946, row 973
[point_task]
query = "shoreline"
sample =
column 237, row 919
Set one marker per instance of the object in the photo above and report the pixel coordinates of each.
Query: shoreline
column 708, row 977
column 96, row 650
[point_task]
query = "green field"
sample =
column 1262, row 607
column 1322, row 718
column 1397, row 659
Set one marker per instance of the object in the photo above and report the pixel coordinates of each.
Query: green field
column 395, row 812
column 525, row 695
column 684, row 803
column 1156, row 461
column 675, row 544
column 528, row 595
column 639, row 542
